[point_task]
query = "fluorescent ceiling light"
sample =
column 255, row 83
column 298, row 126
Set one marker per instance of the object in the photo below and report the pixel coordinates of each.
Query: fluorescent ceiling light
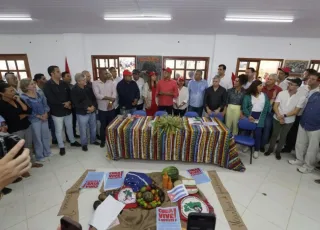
column 138, row 18
column 15, row 19
column 258, row 19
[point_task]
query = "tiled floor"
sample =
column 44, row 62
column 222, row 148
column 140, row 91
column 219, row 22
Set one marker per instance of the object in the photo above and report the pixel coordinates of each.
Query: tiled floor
column 269, row 195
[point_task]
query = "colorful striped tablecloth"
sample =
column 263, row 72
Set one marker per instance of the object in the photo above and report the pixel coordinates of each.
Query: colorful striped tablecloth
column 133, row 138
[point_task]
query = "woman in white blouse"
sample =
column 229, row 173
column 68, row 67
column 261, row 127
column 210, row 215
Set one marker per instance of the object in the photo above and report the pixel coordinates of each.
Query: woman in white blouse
column 180, row 103
column 149, row 94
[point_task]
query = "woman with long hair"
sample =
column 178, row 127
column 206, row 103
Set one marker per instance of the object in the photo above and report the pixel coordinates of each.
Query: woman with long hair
column 255, row 107
column 149, row 94
column 39, row 118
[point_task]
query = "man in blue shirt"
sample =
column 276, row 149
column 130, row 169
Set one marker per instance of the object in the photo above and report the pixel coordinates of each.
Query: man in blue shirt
column 197, row 88
column 307, row 145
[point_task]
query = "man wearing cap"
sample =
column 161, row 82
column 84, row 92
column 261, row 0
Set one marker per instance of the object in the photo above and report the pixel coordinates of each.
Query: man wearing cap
column 283, row 74
column 128, row 93
column 140, row 83
column 286, row 106
column 167, row 90
column 197, row 87
column 180, row 103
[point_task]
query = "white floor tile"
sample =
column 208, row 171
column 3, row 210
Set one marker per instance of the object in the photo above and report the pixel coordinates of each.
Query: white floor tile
column 12, row 214
column 43, row 200
column 288, row 179
column 15, row 195
column 255, row 222
column 46, row 220
column 307, row 206
column 271, row 210
column 21, row 226
column 38, row 182
column 69, row 173
column 298, row 221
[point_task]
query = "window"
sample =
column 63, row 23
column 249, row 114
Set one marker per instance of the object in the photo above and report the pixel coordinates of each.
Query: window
column 186, row 66
column 315, row 64
column 16, row 63
column 263, row 67
column 106, row 61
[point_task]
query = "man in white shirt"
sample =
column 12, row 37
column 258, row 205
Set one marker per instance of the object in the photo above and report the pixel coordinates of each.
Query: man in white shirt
column 283, row 74
column 251, row 73
column 180, row 103
column 115, row 80
column 287, row 105
column 140, row 83
column 225, row 81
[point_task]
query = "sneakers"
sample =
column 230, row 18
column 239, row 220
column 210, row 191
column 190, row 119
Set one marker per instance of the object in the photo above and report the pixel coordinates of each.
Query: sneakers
column 102, row 144
column 317, row 181
column 6, row 190
column 85, row 148
column 96, row 143
column 75, row 144
column 278, row 156
column 245, row 149
column 295, row 162
column 267, row 153
column 76, row 136
column 62, row 151
column 305, row 169
column 256, row 154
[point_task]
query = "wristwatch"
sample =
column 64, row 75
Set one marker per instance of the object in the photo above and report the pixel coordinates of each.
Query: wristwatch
column 110, row 102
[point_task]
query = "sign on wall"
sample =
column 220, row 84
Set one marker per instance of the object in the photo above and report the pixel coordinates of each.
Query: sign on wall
column 150, row 63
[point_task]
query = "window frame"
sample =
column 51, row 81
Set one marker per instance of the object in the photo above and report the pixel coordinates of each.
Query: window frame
column 314, row 62
column 188, row 58
column 95, row 57
column 16, row 57
column 258, row 60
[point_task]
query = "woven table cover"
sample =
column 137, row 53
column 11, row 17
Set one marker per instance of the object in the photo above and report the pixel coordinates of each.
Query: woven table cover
column 133, row 138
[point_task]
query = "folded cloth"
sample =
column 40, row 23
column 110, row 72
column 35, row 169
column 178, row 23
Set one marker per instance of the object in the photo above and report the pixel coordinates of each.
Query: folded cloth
column 136, row 180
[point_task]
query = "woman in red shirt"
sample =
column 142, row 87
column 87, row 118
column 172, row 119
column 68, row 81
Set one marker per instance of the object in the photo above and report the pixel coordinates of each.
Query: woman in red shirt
column 149, row 94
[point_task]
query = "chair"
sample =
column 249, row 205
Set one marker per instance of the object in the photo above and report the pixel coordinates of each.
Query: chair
column 191, row 114
column 140, row 113
column 160, row 113
column 218, row 116
column 248, row 141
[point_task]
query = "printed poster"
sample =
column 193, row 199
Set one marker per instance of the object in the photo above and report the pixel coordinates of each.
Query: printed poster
column 168, row 218
column 92, row 180
column 199, row 176
column 113, row 180
column 149, row 63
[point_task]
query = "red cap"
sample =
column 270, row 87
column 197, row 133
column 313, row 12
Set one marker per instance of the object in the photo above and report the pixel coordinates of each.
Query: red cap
column 180, row 79
column 167, row 70
column 285, row 69
column 151, row 74
column 127, row 73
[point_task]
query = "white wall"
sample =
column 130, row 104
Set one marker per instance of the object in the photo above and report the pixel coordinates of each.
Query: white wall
column 45, row 50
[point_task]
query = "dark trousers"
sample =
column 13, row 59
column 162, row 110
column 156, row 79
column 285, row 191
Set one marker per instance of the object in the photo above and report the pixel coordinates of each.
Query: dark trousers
column 267, row 129
column 257, row 138
column 198, row 110
column 105, row 117
column 117, row 111
column 168, row 109
column 179, row 112
column 292, row 135
column 51, row 127
column 140, row 107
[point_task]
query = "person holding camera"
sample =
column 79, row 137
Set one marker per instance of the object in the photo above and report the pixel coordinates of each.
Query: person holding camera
column 13, row 166
column 38, row 118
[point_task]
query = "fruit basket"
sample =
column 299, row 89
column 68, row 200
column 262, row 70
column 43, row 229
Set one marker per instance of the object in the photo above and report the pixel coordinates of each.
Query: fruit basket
column 150, row 197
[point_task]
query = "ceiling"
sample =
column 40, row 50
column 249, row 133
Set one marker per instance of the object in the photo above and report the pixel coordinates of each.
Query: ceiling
column 188, row 17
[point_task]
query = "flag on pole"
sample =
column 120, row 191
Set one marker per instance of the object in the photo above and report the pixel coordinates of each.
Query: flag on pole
column 66, row 67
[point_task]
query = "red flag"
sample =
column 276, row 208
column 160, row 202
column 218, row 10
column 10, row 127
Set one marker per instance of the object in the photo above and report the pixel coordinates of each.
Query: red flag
column 66, row 66
column 233, row 77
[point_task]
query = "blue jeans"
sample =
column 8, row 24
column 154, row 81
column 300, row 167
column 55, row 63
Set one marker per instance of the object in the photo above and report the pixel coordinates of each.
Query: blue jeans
column 41, row 139
column 198, row 110
column 267, row 129
column 58, row 125
column 83, row 122
column 257, row 138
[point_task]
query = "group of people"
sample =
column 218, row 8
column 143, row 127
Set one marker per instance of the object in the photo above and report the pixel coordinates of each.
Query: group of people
column 282, row 109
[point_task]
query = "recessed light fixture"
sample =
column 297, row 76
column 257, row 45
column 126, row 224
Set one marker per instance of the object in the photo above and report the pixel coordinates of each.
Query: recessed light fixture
column 137, row 18
column 258, row 19
column 15, row 19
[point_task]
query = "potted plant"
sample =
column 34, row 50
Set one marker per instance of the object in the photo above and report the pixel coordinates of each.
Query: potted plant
column 167, row 124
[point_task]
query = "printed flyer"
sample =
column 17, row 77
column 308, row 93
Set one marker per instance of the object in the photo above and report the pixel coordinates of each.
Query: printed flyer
column 199, row 176
column 168, row 218
column 92, row 180
column 113, row 180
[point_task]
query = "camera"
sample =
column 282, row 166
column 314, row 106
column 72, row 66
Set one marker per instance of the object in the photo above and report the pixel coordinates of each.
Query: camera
column 7, row 142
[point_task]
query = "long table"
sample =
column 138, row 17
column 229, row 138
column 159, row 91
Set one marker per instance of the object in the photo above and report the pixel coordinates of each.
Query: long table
column 133, row 138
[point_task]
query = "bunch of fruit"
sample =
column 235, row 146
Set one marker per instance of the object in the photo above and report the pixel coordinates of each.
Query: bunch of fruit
column 150, row 197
